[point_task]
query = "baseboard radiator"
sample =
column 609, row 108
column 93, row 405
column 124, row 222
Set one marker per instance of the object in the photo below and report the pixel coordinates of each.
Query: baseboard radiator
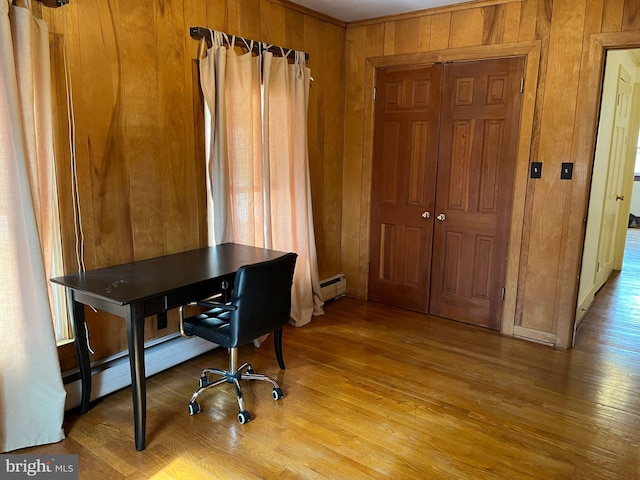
column 116, row 374
column 333, row 287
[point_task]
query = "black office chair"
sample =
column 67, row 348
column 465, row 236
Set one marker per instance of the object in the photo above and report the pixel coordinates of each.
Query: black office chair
column 260, row 304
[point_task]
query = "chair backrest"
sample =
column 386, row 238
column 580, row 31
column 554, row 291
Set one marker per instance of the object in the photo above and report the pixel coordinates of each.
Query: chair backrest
column 262, row 295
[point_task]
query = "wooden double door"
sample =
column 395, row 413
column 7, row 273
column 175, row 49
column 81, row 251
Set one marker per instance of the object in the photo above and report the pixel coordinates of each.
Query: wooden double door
column 445, row 144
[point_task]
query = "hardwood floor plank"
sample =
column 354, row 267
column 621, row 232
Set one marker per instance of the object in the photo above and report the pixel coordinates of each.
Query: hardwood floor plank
column 376, row 392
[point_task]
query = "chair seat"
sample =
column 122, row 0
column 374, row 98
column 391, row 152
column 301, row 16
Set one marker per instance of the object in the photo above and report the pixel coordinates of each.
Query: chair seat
column 212, row 325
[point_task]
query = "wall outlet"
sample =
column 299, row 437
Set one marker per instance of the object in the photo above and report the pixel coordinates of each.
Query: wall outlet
column 162, row 320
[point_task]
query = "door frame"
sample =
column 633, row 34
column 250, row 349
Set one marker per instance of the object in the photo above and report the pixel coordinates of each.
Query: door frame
column 531, row 53
column 588, row 108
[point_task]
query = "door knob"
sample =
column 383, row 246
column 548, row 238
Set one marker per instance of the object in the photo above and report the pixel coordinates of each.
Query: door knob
column 425, row 215
column 441, row 217
column 619, row 197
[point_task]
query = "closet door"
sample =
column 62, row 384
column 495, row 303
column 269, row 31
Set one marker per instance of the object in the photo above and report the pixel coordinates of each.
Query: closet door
column 476, row 164
column 405, row 150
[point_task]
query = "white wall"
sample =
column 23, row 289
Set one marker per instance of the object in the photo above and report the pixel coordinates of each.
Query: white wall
column 635, row 199
column 634, row 206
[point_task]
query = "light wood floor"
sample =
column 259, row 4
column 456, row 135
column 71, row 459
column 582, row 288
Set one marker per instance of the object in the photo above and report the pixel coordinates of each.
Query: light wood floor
column 377, row 392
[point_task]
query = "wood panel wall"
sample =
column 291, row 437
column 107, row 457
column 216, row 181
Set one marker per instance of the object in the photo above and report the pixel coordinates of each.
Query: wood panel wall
column 138, row 136
column 137, row 112
column 572, row 36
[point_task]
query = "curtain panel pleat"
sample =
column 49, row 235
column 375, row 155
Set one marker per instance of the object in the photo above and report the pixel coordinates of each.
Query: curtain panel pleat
column 31, row 390
column 257, row 161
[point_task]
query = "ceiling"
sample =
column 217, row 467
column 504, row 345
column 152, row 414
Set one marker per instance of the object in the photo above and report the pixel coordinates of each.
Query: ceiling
column 353, row 10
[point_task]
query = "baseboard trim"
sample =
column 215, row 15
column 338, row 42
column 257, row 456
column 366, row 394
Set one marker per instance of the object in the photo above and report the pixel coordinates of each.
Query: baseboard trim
column 117, row 374
column 584, row 305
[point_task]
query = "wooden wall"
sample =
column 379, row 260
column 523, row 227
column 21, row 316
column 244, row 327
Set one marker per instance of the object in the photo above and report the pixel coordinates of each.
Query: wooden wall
column 140, row 161
column 137, row 127
column 570, row 37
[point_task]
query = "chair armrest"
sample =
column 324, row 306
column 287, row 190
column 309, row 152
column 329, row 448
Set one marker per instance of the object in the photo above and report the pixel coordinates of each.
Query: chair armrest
column 181, row 322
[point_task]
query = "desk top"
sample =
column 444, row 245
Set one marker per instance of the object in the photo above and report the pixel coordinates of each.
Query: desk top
column 136, row 281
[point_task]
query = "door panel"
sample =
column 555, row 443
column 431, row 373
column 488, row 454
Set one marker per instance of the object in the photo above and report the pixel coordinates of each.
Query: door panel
column 445, row 144
column 478, row 146
column 403, row 185
column 617, row 158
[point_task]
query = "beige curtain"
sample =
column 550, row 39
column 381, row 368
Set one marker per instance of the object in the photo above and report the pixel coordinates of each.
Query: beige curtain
column 257, row 162
column 31, row 391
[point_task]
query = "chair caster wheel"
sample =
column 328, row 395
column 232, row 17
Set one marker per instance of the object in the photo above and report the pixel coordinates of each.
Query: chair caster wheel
column 251, row 371
column 194, row 407
column 204, row 381
column 277, row 393
column 243, row 417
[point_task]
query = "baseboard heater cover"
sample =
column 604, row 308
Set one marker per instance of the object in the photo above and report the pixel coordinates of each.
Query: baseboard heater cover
column 333, row 287
column 117, row 374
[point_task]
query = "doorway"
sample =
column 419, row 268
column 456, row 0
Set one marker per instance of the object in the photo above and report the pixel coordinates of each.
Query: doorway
column 612, row 183
column 445, row 145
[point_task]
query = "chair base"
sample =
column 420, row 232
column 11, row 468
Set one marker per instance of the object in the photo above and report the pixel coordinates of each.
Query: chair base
column 233, row 375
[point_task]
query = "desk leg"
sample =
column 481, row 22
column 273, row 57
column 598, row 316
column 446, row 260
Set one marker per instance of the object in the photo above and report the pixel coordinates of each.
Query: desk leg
column 135, row 330
column 82, row 350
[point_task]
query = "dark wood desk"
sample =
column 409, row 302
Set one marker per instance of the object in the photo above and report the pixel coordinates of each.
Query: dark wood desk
column 140, row 289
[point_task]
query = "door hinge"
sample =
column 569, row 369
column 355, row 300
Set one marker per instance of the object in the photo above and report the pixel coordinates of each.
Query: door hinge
column 374, row 94
column 502, row 294
column 522, row 85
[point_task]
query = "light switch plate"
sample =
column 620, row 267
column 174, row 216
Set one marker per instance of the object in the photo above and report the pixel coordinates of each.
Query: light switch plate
column 566, row 173
column 536, row 169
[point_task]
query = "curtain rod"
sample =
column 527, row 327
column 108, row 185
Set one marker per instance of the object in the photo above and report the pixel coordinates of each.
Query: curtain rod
column 55, row 3
column 198, row 33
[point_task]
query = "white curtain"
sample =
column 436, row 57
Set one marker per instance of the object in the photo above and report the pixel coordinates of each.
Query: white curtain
column 31, row 390
column 257, row 160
